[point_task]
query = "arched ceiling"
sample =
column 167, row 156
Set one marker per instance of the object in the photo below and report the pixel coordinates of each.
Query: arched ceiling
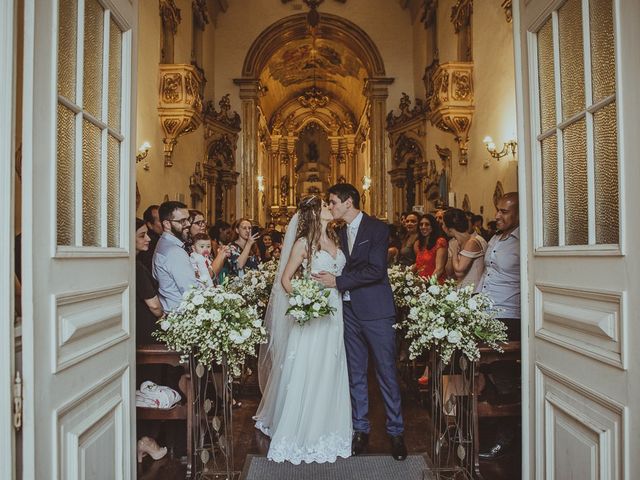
column 298, row 65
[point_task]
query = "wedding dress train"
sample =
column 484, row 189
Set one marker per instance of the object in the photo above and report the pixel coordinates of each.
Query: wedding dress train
column 308, row 414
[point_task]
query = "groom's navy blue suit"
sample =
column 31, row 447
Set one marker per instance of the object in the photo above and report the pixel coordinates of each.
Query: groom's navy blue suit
column 368, row 323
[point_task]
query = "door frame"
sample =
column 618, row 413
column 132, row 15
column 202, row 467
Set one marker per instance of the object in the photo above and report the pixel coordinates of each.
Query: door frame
column 526, row 248
column 8, row 30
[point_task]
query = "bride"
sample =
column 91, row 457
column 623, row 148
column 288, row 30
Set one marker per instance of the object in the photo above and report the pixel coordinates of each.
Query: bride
column 305, row 407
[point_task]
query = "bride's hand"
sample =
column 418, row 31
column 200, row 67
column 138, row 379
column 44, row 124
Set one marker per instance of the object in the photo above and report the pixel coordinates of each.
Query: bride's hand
column 325, row 278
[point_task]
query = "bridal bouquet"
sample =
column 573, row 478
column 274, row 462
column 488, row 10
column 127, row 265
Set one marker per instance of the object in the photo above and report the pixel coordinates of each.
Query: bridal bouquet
column 255, row 286
column 213, row 324
column 406, row 285
column 308, row 300
column 449, row 318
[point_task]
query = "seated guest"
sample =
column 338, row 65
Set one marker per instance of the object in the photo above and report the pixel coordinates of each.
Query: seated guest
column 148, row 307
column 501, row 282
column 148, row 311
column 467, row 254
column 171, row 266
column 430, row 249
column 243, row 251
column 154, row 227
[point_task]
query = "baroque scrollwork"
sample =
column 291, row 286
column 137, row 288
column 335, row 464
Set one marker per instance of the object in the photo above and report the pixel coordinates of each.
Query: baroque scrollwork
column 429, row 10
column 180, row 103
column 313, row 99
column 201, row 13
column 406, row 112
column 170, row 14
column 461, row 14
column 225, row 116
column 508, row 10
column 451, row 104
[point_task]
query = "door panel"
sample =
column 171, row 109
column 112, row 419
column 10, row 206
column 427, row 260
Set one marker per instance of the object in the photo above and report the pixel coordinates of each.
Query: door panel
column 579, row 175
column 79, row 352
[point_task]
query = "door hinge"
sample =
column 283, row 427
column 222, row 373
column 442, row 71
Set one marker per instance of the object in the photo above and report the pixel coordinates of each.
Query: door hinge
column 17, row 402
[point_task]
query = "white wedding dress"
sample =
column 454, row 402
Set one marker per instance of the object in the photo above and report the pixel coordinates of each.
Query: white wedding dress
column 310, row 416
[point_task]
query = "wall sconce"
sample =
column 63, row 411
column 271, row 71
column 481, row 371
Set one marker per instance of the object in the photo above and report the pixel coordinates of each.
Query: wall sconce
column 508, row 147
column 143, row 151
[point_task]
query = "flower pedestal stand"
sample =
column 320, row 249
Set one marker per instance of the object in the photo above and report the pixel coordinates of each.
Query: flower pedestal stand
column 212, row 432
column 454, row 441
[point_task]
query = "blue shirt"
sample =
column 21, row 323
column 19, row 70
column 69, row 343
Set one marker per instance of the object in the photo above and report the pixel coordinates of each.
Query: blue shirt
column 501, row 279
column 173, row 271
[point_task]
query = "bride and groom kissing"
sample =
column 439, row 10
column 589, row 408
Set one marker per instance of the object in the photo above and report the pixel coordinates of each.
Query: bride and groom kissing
column 314, row 377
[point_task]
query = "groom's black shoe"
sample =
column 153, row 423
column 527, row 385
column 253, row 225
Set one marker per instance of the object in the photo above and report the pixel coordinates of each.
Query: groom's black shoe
column 398, row 448
column 359, row 443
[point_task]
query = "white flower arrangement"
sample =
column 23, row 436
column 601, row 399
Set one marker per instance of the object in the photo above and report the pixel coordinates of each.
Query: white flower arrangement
column 213, row 324
column 449, row 318
column 308, row 300
column 406, row 285
column 255, row 286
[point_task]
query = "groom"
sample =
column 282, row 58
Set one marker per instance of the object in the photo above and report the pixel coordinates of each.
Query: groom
column 369, row 315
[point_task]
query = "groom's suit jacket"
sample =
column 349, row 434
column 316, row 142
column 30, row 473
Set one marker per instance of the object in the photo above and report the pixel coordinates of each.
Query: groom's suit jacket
column 365, row 273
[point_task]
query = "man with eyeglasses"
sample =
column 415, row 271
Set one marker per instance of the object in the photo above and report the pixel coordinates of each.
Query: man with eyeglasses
column 171, row 266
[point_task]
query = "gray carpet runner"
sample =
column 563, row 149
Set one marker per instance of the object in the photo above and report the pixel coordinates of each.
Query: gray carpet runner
column 363, row 467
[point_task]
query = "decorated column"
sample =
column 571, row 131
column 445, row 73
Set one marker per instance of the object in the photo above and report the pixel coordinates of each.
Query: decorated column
column 249, row 89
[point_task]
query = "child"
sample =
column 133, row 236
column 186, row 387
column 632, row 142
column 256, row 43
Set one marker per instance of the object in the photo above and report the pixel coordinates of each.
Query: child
column 201, row 259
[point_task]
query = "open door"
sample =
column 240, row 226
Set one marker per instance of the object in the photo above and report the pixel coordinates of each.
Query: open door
column 577, row 69
column 78, row 191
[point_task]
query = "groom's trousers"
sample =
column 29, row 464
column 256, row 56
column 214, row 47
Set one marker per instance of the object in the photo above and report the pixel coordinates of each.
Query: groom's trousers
column 380, row 336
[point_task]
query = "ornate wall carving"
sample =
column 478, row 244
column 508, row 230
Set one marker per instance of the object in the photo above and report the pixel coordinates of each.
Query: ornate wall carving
column 180, row 104
column 508, row 12
column 170, row 18
column 221, row 133
column 200, row 13
column 451, row 103
column 461, row 18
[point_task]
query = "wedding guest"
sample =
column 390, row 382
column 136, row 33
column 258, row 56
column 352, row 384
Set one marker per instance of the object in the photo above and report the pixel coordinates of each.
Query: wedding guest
column 407, row 255
column 491, row 229
column 154, row 227
column 243, row 250
column 148, row 311
column 467, row 253
column 266, row 246
column 221, row 232
column 171, row 266
column 501, row 282
column 148, row 307
column 394, row 245
column 197, row 225
column 430, row 249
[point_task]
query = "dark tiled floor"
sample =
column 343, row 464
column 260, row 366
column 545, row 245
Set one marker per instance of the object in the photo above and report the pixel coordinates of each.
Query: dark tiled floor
column 248, row 440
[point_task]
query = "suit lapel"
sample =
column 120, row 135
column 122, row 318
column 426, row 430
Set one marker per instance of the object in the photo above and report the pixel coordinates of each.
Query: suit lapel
column 362, row 231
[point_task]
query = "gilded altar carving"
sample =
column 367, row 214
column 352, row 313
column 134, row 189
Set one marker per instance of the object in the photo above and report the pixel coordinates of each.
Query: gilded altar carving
column 451, row 103
column 180, row 104
column 429, row 11
column 313, row 99
column 508, row 10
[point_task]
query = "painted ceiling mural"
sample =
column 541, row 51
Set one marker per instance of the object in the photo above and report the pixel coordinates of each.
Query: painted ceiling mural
column 296, row 64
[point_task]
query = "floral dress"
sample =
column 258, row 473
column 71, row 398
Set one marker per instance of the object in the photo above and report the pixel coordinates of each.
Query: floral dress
column 233, row 270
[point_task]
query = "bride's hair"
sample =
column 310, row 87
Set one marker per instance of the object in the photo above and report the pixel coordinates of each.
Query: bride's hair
column 309, row 224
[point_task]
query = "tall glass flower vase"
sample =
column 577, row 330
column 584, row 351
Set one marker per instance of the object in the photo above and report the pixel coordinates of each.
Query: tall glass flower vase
column 212, row 432
column 453, row 442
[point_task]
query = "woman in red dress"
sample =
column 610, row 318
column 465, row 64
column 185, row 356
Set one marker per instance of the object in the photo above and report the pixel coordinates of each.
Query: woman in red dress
column 430, row 249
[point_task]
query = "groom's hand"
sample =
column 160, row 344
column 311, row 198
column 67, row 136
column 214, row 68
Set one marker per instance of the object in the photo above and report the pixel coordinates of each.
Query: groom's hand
column 325, row 278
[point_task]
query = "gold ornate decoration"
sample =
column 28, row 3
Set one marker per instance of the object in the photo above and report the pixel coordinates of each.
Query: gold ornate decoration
column 313, row 98
column 461, row 14
column 180, row 103
column 407, row 114
column 200, row 12
column 508, row 11
column 170, row 14
column 451, row 103
column 225, row 116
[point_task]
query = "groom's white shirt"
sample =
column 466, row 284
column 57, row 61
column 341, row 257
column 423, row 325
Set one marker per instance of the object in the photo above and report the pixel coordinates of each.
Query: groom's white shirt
column 352, row 233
